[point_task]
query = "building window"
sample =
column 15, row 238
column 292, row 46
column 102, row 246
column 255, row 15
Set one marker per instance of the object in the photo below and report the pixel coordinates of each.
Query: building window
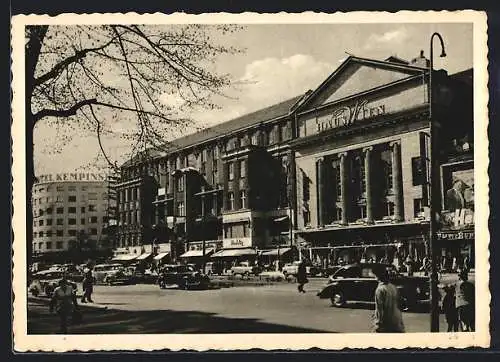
column 230, row 196
column 231, row 171
column 180, row 209
column 82, row 209
column 93, row 219
column 49, row 233
column 338, row 182
column 82, row 221
column 60, row 222
column 417, row 171
column 49, row 222
column 389, row 209
column 180, row 184
column 243, row 168
column 92, row 208
column 72, row 232
column 92, row 195
column 72, row 198
column 71, row 188
column 338, row 213
column 40, row 234
column 71, row 221
column 49, row 210
column 84, row 188
column 59, row 245
column 72, row 210
column 60, row 188
column 243, row 199
column 93, row 231
column 49, row 245
column 59, row 199
column 59, row 233
column 40, row 212
column 35, row 234
column 418, row 207
column 40, row 222
column 306, row 215
column 60, row 210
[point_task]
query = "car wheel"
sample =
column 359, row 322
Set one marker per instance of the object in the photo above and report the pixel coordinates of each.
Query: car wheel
column 246, row 275
column 161, row 284
column 34, row 292
column 48, row 291
column 338, row 299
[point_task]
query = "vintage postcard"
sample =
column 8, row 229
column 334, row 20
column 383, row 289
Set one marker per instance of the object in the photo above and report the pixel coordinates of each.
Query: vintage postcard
column 228, row 182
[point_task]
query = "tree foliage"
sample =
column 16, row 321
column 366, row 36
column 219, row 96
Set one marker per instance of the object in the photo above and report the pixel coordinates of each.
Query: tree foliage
column 129, row 81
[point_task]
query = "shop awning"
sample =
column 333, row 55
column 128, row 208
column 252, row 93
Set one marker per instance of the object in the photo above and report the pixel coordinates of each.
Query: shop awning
column 234, row 252
column 160, row 256
column 196, row 253
column 124, row 257
column 275, row 251
column 144, row 256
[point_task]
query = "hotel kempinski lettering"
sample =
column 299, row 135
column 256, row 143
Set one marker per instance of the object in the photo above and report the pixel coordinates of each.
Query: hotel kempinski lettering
column 72, row 177
column 346, row 116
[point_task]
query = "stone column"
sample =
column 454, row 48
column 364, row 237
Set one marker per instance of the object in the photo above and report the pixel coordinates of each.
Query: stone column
column 344, row 179
column 320, row 190
column 368, row 181
column 396, row 181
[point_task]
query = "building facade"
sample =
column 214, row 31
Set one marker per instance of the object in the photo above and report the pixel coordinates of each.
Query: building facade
column 70, row 214
column 342, row 166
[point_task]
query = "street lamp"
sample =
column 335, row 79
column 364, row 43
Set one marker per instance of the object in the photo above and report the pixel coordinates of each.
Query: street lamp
column 434, row 292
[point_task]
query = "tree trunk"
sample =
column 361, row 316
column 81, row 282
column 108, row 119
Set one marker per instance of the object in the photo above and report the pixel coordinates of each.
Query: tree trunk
column 35, row 36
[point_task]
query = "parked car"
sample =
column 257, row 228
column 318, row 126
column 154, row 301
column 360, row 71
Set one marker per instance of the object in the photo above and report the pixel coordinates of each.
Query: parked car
column 293, row 269
column 329, row 270
column 101, row 271
column 357, row 282
column 184, row 276
column 46, row 281
column 245, row 269
column 150, row 276
column 119, row 277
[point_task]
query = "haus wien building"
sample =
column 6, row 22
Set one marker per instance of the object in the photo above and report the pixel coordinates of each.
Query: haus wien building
column 339, row 173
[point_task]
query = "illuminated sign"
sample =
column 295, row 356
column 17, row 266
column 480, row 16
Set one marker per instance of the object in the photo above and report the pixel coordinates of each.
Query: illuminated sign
column 236, row 243
column 75, row 176
column 346, row 116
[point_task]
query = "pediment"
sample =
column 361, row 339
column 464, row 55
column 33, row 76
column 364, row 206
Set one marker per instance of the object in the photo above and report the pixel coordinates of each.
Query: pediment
column 355, row 76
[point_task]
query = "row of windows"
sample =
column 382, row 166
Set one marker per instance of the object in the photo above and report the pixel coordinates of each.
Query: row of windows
column 50, row 233
column 91, row 196
column 71, row 221
column 61, row 188
column 242, row 169
column 48, row 245
column 230, row 200
column 70, row 210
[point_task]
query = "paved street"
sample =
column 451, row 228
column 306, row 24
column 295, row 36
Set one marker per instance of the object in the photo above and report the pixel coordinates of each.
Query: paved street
column 274, row 308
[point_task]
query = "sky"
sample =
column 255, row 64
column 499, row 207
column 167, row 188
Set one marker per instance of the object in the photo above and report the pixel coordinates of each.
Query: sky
column 278, row 63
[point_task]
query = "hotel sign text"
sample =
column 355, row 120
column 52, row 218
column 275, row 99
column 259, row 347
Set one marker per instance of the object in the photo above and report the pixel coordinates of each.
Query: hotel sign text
column 348, row 115
column 236, row 243
column 72, row 177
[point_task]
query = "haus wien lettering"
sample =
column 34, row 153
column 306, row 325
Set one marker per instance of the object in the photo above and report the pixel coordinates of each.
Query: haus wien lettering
column 348, row 115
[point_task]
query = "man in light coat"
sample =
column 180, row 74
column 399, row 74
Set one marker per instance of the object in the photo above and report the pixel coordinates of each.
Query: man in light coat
column 388, row 317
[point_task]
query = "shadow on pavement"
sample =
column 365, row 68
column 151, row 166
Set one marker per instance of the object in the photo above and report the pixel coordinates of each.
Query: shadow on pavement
column 106, row 321
column 421, row 308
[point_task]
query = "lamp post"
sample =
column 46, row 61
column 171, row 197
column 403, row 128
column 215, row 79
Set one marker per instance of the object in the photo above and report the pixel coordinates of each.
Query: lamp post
column 433, row 180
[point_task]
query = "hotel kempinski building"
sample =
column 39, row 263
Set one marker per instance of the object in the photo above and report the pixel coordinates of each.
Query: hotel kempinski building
column 340, row 172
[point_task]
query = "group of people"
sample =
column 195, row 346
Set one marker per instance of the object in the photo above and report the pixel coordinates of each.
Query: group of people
column 458, row 304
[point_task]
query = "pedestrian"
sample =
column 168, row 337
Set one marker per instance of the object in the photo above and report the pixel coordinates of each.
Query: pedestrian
column 302, row 277
column 466, row 264
column 464, row 299
column 65, row 303
column 409, row 265
column 450, row 308
column 88, row 286
column 387, row 317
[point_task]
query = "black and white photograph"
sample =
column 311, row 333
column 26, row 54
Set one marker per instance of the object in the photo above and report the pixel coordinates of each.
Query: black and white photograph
column 242, row 181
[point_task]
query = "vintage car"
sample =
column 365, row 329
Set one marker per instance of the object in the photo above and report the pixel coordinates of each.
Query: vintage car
column 46, row 281
column 357, row 282
column 107, row 273
column 119, row 277
column 293, row 269
column 245, row 269
column 183, row 276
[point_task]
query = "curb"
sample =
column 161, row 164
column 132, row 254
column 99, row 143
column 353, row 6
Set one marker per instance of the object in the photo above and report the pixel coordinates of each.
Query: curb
column 83, row 307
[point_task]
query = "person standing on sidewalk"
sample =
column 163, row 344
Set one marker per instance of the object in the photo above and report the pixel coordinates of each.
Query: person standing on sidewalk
column 65, row 303
column 302, row 276
column 388, row 317
column 464, row 299
column 88, row 286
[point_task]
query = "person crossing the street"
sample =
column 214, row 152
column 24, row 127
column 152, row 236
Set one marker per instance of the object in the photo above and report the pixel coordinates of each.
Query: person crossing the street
column 88, row 286
column 302, row 277
column 388, row 317
column 65, row 303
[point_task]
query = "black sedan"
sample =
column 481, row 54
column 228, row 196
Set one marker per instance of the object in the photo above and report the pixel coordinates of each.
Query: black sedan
column 183, row 276
column 357, row 282
column 45, row 282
